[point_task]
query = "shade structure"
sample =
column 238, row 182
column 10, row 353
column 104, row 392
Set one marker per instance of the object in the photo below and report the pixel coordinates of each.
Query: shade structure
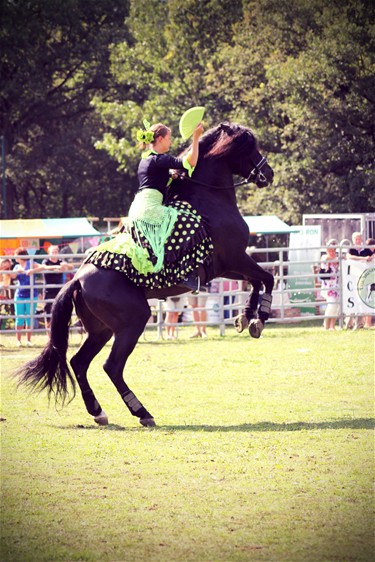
column 36, row 234
column 47, row 228
column 268, row 224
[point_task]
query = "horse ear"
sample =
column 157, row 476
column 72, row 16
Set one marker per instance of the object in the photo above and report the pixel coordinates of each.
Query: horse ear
column 226, row 128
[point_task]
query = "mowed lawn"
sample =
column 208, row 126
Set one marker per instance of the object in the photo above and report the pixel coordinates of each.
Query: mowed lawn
column 263, row 451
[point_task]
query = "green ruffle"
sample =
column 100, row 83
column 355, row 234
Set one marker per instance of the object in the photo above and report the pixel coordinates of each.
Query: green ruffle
column 150, row 219
column 124, row 244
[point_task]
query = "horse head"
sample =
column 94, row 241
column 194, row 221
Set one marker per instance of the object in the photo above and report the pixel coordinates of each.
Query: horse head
column 240, row 146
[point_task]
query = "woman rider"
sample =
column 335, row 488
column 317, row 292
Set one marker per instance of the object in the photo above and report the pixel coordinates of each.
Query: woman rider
column 140, row 250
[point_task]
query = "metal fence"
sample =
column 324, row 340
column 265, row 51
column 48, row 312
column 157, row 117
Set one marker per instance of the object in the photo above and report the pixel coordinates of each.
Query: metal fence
column 296, row 294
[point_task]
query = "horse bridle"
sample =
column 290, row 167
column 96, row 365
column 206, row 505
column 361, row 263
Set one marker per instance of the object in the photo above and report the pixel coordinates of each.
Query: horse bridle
column 254, row 176
column 256, row 173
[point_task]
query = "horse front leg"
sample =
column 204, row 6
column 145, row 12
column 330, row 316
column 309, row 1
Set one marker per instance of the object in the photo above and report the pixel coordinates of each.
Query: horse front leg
column 249, row 312
column 256, row 311
column 256, row 325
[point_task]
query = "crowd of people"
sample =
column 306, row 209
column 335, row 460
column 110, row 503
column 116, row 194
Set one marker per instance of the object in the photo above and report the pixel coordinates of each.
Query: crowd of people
column 330, row 282
column 22, row 279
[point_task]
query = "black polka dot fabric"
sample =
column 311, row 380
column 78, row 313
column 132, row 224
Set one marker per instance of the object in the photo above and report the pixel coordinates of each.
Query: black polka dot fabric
column 187, row 247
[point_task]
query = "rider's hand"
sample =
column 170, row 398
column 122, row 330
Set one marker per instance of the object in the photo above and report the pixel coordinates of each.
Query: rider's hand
column 198, row 131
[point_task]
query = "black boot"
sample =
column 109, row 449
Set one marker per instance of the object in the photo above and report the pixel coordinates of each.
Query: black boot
column 191, row 282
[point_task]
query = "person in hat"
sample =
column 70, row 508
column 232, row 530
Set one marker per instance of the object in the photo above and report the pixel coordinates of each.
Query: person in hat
column 151, row 223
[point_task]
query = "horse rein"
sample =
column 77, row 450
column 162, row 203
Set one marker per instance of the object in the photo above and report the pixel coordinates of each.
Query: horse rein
column 254, row 176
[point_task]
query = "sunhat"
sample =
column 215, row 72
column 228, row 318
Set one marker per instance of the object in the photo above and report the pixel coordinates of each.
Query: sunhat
column 190, row 119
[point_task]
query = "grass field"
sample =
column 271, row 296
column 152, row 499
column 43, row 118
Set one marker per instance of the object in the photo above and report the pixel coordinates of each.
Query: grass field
column 263, row 452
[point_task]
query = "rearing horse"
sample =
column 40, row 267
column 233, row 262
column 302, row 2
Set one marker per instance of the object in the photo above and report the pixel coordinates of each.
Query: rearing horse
column 108, row 303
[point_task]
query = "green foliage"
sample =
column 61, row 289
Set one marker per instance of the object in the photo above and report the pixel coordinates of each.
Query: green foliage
column 82, row 75
column 54, row 58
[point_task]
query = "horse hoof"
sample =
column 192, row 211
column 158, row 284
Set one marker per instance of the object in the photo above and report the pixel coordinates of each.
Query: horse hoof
column 102, row 418
column 240, row 323
column 256, row 328
column 147, row 422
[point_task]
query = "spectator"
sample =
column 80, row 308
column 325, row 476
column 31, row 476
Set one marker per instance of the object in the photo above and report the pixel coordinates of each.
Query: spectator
column 173, row 307
column 5, row 278
column 53, row 269
column 5, row 292
column 328, row 275
column 25, row 305
column 198, row 304
column 358, row 253
column 369, row 252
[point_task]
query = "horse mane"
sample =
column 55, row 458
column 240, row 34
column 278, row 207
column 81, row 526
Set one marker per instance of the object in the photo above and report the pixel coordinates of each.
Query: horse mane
column 219, row 140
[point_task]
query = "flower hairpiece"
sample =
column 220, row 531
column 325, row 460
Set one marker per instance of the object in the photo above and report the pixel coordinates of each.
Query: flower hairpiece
column 145, row 136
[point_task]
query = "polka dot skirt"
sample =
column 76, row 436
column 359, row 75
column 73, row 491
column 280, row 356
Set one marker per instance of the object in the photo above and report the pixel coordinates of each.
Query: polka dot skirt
column 188, row 246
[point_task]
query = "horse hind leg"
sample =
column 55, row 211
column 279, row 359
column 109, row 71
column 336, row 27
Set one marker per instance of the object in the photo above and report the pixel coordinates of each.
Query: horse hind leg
column 123, row 345
column 80, row 363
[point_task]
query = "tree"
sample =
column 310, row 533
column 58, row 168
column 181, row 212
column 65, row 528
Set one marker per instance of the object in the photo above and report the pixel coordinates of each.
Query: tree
column 306, row 78
column 78, row 75
column 54, row 58
column 163, row 70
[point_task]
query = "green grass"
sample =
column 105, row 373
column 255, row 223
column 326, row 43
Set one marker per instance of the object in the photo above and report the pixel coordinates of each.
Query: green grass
column 263, row 452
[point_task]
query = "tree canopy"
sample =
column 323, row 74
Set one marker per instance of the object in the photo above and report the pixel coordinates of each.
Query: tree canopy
column 78, row 78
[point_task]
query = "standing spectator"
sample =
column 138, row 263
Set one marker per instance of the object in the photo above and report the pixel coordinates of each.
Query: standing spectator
column 359, row 253
column 329, row 277
column 24, row 304
column 200, row 316
column 369, row 253
column 173, row 310
column 5, row 278
column 53, row 269
column 5, row 291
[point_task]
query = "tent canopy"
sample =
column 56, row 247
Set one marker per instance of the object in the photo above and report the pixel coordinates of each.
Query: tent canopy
column 47, row 228
column 268, row 224
column 80, row 227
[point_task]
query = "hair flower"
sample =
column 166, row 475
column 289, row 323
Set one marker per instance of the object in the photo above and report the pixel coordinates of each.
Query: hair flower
column 145, row 135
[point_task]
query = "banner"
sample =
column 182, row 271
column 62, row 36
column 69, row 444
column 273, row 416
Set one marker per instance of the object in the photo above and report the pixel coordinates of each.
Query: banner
column 358, row 287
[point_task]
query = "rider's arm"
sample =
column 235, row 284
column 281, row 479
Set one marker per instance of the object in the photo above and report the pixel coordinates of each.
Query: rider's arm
column 192, row 155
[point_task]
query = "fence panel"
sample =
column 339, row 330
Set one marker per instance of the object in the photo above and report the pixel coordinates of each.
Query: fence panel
column 222, row 304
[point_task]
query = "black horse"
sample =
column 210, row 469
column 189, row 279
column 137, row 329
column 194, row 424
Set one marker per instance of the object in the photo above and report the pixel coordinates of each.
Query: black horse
column 108, row 303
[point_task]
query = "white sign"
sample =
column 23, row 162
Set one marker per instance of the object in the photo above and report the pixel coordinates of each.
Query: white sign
column 358, row 287
column 304, row 247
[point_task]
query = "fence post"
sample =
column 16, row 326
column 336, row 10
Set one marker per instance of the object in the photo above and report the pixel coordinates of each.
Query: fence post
column 341, row 281
column 32, row 298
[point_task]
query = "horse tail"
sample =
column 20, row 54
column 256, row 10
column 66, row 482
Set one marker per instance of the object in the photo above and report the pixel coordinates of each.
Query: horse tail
column 50, row 369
